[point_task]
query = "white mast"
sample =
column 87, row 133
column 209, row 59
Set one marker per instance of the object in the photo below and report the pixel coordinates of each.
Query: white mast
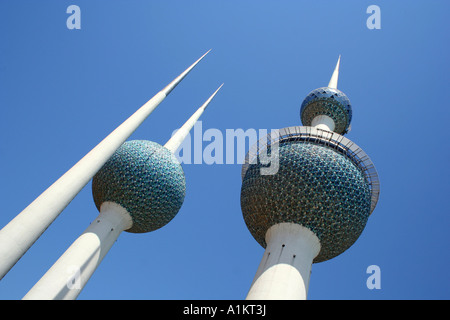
column 181, row 134
column 335, row 76
column 20, row 234
column 325, row 122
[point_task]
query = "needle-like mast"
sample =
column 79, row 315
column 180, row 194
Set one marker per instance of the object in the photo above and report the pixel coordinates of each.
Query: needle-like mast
column 334, row 78
column 176, row 140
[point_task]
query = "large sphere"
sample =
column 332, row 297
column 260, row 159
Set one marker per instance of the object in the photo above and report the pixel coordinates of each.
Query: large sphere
column 146, row 179
column 329, row 102
column 315, row 187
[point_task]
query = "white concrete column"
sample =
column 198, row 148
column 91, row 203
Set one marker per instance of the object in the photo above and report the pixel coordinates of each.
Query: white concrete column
column 323, row 122
column 68, row 276
column 21, row 233
column 285, row 268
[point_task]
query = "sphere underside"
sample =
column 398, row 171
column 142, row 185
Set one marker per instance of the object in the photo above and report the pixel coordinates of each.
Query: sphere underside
column 316, row 187
column 146, row 179
column 330, row 102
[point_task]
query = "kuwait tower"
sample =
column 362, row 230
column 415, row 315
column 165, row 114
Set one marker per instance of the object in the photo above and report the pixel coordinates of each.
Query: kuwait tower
column 17, row 237
column 139, row 189
column 316, row 205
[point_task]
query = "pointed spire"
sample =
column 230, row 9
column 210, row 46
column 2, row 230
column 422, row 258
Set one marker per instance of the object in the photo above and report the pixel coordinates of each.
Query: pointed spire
column 178, row 79
column 175, row 141
column 334, row 78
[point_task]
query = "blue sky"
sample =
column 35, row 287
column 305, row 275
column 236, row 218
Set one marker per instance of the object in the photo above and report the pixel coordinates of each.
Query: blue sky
column 62, row 91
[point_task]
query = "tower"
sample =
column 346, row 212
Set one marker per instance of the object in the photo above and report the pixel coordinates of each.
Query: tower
column 318, row 202
column 22, row 232
column 139, row 189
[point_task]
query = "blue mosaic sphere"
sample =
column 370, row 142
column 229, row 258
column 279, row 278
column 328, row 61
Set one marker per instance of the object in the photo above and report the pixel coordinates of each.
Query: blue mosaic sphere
column 329, row 102
column 315, row 187
column 144, row 178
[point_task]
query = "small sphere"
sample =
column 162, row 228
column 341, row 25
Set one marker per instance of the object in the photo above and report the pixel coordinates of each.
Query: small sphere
column 330, row 102
column 146, row 179
column 315, row 187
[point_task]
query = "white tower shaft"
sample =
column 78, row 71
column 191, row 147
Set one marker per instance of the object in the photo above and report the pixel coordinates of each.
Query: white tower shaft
column 323, row 122
column 285, row 268
column 68, row 276
column 20, row 234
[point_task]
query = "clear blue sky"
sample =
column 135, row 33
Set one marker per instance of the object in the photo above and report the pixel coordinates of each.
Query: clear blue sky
column 62, row 91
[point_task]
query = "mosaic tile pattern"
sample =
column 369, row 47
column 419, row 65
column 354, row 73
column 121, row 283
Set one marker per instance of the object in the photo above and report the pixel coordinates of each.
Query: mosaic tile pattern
column 329, row 102
column 316, row 187
column 146, row 179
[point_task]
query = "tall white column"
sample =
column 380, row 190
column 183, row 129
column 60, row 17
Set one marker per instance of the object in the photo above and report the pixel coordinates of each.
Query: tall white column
column 68, row 276
column 285, row 268
column 21, row 233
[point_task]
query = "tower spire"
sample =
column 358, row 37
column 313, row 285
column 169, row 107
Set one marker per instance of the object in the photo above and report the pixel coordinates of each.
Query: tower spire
column 178, row 79
column 176, row 140
column 334, row 78
column 145, row 187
